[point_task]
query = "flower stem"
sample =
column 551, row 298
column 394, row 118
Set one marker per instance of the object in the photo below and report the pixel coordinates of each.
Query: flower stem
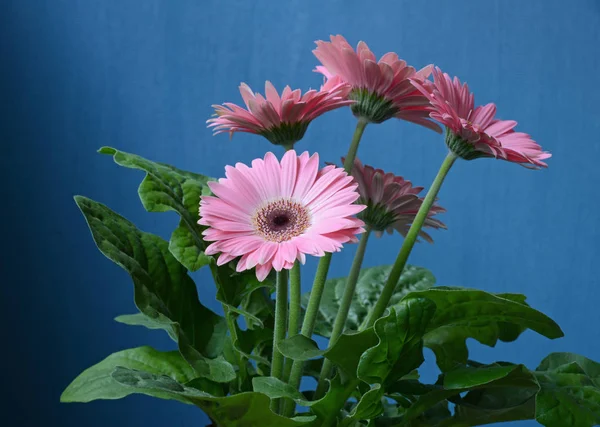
column 281, row 302
column 344, row 309
column 390, row 285
column 312, row 309
column 358, row 132
column 294, row 313
column 409, row 241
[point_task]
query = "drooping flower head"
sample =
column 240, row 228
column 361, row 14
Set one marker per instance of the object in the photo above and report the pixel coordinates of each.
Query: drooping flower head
column 273, row 213
column 473, row 132
column 382, row 89
column 283, row 120
column 392, row 202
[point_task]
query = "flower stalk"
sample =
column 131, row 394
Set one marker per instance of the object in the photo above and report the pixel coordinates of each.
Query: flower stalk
column 344, row 309
column 281, row 302
column 295, row 312
column 409, row 241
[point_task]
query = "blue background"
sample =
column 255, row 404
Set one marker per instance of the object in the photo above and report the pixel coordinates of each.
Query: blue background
column 141, row 76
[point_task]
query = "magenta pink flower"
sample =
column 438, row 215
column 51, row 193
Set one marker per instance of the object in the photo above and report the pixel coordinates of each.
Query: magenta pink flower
column 283, row 120
column 392, row 202
column 272, row 214
column 474, row 132
column 382, row 89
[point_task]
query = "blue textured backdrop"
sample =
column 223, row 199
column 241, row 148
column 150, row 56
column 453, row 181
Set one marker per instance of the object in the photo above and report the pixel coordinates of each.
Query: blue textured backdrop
column 141, row 76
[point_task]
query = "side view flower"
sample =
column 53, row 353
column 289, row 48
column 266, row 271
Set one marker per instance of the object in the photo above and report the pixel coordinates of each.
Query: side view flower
column 283, row 120
column 382, row 89
column 272, row 214
column 473, row 132
column 392, row 202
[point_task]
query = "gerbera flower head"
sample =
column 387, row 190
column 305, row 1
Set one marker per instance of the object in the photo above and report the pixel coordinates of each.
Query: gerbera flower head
column 474, row 132
column 283, row 120
column 382, row 89
column 392, row 202
column 273, row 213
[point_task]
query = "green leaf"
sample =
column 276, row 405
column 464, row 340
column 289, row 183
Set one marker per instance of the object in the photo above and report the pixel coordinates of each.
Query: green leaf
column 166, row 188
column 469, row 313
column 495, row 392
column 368, row 288
column 97, row 382
column 570, row 391
column 163, row 291
column 185, row 248
column 139, row 319
column 142, row 370
column 495, row 405
column 346, row 352
column 436, row 416
column 299, row 347
column 275, row 388
column 251, row 410
column 369, row 406
column 499, row 375
column 400, row 347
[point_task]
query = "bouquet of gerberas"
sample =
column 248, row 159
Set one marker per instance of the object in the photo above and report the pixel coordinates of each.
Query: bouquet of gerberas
column 253, row 230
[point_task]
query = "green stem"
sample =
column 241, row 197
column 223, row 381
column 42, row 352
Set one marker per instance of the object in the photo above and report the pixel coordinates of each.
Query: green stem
column 358, row 132
column 312, row 309
column 388, row 290
column 344, row 309
column 294, row 313
column 308, row 325
column 409, row 241
column 281, row 302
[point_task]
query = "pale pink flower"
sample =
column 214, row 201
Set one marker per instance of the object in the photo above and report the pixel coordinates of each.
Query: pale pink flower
column 283, row 120
column 274, row 213
column 392, row 202
column 474, row 132
column 381, row 88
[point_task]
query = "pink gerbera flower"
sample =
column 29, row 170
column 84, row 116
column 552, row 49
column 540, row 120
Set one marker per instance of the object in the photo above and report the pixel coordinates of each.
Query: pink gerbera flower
column 392, row 202
column 382, row 89
column 283, row 120
column 272, row 214
column 473, row 132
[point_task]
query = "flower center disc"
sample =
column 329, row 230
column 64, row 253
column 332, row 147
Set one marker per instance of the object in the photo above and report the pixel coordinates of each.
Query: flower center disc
column 281, row 220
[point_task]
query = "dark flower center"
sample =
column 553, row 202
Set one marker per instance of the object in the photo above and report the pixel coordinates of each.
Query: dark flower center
column 281, row 220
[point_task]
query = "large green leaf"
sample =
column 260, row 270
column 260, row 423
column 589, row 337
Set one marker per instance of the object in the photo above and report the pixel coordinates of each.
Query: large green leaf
column 163, row 291
column 143, row 371
column 166, row 188
column 498, row 392
column 468, row 313
column 368, row 288
column 97, row 382
column 400, row 346
column 495, row 405
column 570, row 391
